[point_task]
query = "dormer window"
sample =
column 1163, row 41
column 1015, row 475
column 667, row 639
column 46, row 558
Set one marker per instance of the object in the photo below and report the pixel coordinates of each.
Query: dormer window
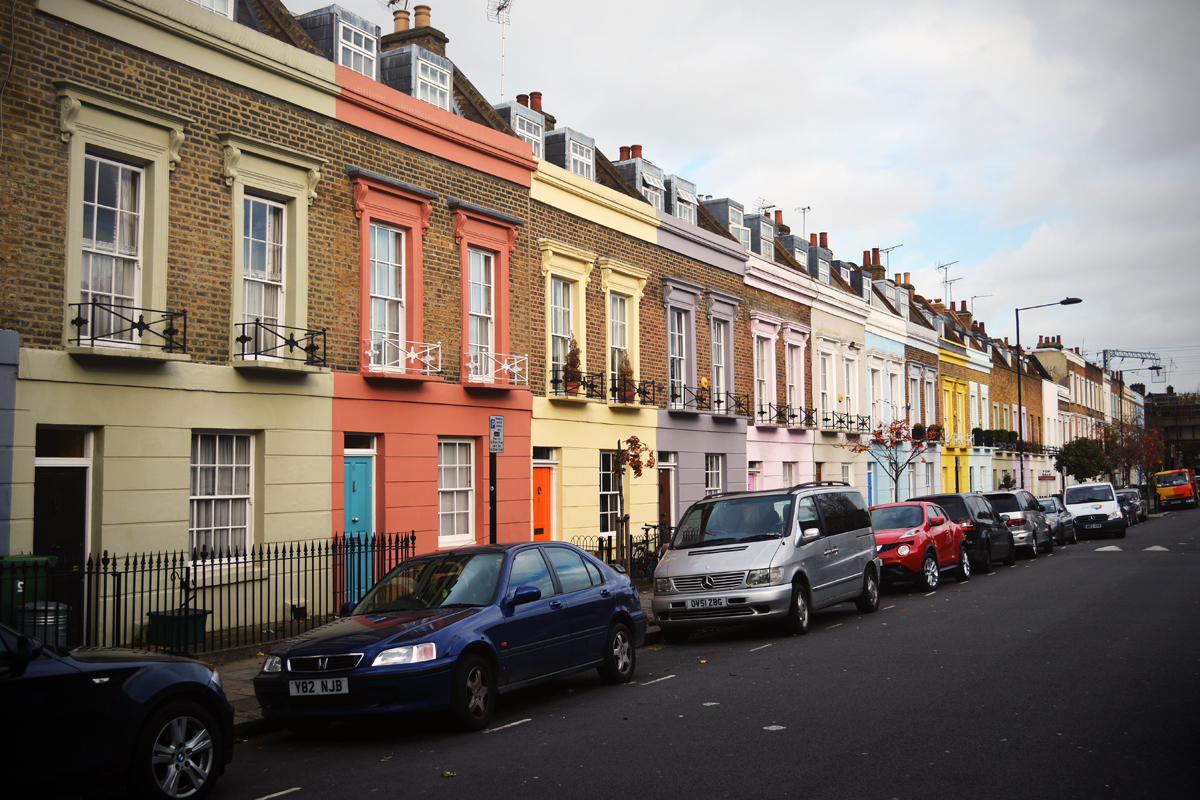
column 823, row 270
column 766, row 240
column 222, row 7
column 582, row 158
column 735, row 217
column 530, row 131
column 357, row 50
column 433, row 85
column 685, row 201
column 654, row 190
column 801, row 254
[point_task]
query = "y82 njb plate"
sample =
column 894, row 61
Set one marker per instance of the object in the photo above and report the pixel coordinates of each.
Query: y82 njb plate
column 706, row 602
column 319, row 686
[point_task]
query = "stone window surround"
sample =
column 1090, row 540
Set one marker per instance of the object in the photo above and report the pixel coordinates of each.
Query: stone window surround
column 765, row 327
column 574, row 266
column 478, row 228
column 617, row 277
column 724, row 307
column 795, row 337
column 683, row 296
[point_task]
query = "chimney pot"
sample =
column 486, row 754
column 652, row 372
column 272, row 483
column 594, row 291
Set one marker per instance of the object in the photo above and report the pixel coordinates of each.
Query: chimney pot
column 866, row 258
column 906, row 280
column 624, row 152
column 400, row 15
column 635, row 151
column 535, row 101
column 897, row 281
column 824, row 239
column 875, row 256
column 812, row 240
column 523, row 99
column 778, row 216
column 421, row 18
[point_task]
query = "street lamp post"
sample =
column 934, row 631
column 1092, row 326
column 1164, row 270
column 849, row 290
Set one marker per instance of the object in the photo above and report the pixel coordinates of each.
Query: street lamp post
column 1069, row 301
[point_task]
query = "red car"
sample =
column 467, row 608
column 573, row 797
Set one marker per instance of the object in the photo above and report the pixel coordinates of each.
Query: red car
column 918, row 540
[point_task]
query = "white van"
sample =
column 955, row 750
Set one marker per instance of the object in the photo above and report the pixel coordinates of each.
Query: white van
column 767, row 556
column 1096, row 509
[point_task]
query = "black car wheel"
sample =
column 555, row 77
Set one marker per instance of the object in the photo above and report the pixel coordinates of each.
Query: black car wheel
column 964, row 564
column 176, row 754
column 985, row 561
column 868, row 601
column 929, row 577
column 798, row 620
column 620, row 657
column 1050, row 542
column 1033, row 551
column 1010, row 558
column 473, row 695
column 1074, row 534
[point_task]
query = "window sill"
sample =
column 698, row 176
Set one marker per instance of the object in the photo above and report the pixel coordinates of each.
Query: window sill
column 496, row 386
column 278, row 366
column 130, row 353
column 409, row 377
column 578, row 399
column 618, row 406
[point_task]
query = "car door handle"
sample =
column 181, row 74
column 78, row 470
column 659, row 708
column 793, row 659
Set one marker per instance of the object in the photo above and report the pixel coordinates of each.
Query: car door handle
column 605, row 593
column 555, row 604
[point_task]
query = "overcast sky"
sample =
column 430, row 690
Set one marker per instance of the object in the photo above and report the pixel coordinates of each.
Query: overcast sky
column 1051, row 149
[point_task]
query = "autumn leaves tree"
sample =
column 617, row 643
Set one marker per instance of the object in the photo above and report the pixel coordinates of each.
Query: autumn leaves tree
column 894, row 447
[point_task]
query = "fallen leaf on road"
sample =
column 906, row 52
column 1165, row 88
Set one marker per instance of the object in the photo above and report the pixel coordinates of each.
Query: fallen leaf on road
column 448, row 775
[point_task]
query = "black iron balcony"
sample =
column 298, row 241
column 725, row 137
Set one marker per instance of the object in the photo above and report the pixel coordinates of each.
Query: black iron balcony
column 631, row 392
column 847, row 423
column 589, row 385
column 266, row 341
column 786, row 416
column 701, row 398
column 730, row 404
column 99, row 323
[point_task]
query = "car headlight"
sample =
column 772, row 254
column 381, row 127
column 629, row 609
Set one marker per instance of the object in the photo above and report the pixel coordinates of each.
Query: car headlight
column 662, row 586
column 764, row 577
column 215, row 680
column 273, row 664
column 909, row 534
column 903, row 550
column 1116, row 515
column 410, row 654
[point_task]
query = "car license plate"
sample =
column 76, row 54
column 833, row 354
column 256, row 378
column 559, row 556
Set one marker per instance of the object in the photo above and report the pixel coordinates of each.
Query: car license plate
column 319, row 686
column 1091, row 527
column 706, row 602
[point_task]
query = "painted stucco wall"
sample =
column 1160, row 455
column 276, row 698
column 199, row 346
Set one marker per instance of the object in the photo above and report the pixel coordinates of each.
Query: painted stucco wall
column 691, row 437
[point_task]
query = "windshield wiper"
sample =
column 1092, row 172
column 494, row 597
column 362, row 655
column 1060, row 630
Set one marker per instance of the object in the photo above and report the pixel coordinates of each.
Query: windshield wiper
column 761, row 537
column 461, row 605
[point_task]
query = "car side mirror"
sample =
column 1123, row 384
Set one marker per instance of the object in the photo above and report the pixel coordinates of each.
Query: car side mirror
column 808, row 535
column 937, row 520
column 27, row 650
column 347, row 609
column 525, row 594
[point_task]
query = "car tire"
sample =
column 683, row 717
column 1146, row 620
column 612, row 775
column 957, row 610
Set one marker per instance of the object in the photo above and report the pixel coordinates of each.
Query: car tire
column 1050, row 544
column 964, row 564
column 1120, row 534
column 1033, row 551
column 176, row 754
column 799, row 617
column 930, row 577
column 675, row 635
column 1010, row 558
column 868, row 601
column 985, row 562
column 620, row 656
column 473, row 694
column 1074, row 535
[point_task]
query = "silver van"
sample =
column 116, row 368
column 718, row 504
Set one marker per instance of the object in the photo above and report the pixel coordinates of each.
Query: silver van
column 775, row 555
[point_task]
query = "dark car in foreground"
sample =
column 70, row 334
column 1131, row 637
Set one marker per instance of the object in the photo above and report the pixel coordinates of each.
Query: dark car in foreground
column 1062, row 522
column 987, row 536
column 94, row 720
column 917, row 541
column 452, row 630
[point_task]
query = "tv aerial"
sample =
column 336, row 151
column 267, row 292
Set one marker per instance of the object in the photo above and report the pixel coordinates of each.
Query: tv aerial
column 763, row 206
column 803, row 219
column 498, row 11
column 948, row 282
column 887, row 252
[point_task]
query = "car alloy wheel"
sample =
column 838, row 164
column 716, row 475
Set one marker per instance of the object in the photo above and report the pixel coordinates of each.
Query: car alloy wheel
column 797, row 620
column 619, row 656
column 868, row 601
column 473, row 696
column 930, row 577
column 181, row 755
column 964, row 564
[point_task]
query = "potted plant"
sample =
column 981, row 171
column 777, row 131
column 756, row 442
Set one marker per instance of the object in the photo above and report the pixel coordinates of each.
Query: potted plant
column 626, row 391
column 572, row 374
column 933, row 433
column 918, row 432
column 977, row 436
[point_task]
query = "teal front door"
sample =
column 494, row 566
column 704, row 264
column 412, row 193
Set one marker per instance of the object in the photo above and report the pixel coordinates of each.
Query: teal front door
column 359, row 502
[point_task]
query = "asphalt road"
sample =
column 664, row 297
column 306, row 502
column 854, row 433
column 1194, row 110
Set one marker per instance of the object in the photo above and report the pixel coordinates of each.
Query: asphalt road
column 1073, row 675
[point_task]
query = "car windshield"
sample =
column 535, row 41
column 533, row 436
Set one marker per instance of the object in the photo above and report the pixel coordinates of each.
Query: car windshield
column 953, row 504
column 889, row 517
column 1133, row 497
column 741, row 519
column 1004, row 502
column 1172, row 479
column 1048, row 505
column 436, row 582
column 1088, row 494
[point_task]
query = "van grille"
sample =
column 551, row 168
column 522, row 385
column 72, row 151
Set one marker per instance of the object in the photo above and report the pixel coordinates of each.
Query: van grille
column 721, row 581
column 710, row 613
column 1088, row 518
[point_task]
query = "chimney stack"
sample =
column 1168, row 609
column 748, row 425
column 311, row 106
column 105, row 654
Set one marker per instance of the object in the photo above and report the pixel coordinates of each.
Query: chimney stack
column 422, row 33
column 906, row 278
column 898, row 282
column 523, row 99
column 875, row 256
column 965, row 315
column 778, row 216
column 422, row 17
column 635, row 151
column 812, row 240
column 824, row 239
column 866, row 258
column 400, row 15
column 535, row 101
column 624, row 152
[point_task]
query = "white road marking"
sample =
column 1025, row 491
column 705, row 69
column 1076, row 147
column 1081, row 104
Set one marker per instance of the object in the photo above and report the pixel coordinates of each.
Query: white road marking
column 280, row 794
column 1112, row 548
column 509, row 725
column 760, row 648
column 775, row 728
column 888, row 607
column 712, row 704
column 932, row 593
column 831, row 627
column 656, row 680
column 1156, row 548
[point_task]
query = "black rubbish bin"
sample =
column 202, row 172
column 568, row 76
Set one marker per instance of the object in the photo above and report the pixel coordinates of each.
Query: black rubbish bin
column 178, row 627
column 45, row 620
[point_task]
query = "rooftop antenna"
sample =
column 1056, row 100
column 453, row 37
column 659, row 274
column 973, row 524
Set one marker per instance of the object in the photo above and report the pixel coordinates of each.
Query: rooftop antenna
column 803, row 219
column 973, row 301
column 887, row 251
column 948, row 282
column 498, row 11
column 763, row 206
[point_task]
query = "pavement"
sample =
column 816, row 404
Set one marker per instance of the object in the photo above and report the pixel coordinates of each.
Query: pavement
column 238, row 679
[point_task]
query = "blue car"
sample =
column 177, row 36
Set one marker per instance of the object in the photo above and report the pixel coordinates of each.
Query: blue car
column 452, row 630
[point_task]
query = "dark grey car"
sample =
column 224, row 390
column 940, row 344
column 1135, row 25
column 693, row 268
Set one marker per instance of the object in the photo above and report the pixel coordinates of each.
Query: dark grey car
column 982, row 527
column 1025, row 519
column 1062, row 522
column 1140, row 506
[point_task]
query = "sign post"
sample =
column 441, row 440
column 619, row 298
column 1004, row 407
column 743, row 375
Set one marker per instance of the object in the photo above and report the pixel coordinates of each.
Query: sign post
column 495, row 445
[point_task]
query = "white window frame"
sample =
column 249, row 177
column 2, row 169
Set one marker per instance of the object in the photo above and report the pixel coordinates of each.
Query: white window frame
column 766, row 240
column 215, row 7
column 274, row 241
column 677, row 372
column 930, row 403
column 123, row 255
column 529, row 131
column 849, row 373
column 481, row 316
column 561, row 325
column 356, row 49
column 914, row 400
column 713, row 473
column 823, row 270
column 455, row 490
column 581, row 159
column 720, row 340
column 685, row 211
column 763, row 363
column 618, row 335
column 387, row 310
column 233, row 498
column 789, row 474
column 433, row 85
column 895, row 399
column 610, row 494
column 826, row 361
column 875, row 401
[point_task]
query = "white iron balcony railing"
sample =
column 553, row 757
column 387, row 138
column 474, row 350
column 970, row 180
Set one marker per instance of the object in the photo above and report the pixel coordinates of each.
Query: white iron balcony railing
column 497, row 368
column 388, row 353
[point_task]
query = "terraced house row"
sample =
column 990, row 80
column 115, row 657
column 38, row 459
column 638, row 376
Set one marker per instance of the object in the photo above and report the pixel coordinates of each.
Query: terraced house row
column 270, row 278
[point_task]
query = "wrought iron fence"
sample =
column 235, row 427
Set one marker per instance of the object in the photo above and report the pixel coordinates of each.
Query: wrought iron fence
column 106, row 323
column 700, row 398
column 484, row 366
column 577, row 384
column 638, row 555
column 629, row 391
column 391, row 352
column 188, row 602
column 267, row 341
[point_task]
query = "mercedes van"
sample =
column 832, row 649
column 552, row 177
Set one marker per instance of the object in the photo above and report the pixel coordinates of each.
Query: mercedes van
column 1096, row 509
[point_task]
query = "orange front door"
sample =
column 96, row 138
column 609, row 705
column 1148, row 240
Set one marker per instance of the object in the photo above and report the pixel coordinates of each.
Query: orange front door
column 543, row 521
